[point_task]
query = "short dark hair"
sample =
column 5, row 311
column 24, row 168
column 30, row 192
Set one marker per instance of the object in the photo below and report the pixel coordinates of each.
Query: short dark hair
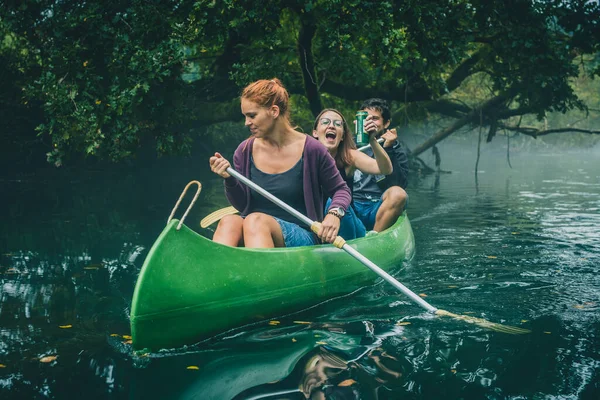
column 380, row 105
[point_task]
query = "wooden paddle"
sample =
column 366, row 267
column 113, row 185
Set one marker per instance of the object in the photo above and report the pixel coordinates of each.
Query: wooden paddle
column 340, row 243
column 220, row 213
column 217, row 215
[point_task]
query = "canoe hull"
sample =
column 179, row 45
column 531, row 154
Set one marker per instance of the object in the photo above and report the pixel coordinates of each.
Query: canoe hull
column 191, row 288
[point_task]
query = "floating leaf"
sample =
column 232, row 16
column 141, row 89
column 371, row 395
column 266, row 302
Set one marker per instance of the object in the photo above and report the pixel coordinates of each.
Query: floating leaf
column 579, row 306
column 403, row 323
column 126, row 337
column 492, row 257
column 514, row 233
column 48, row 359
column 93, row 266
column 302, row 322
column 65, row 326
column 294, row 340
column 321, row 342
column 274, row 322
column 127, row 341
column 347, row 382
column 452, row 286
column 194, row 367
column 114, row 334
column 547, row 333
column 422, row 295
column 2, row 366
column 317, row 335
column 524, row 320
column 453, row 371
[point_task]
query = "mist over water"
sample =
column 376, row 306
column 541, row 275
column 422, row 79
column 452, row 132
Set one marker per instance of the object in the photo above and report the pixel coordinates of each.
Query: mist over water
column 518, row 246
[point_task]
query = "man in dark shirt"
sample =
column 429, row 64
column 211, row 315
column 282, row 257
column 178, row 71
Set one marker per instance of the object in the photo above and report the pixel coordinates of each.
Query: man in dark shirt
column 379, row 200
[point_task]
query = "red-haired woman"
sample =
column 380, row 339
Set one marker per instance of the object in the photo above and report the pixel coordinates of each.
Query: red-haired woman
column 331, row 129
column 285, row 162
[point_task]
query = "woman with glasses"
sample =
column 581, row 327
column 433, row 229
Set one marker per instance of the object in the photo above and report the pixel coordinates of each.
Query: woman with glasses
column 330, row 128
column 286, row 163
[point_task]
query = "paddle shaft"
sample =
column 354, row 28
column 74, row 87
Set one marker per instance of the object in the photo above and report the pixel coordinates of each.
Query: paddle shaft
column 380, row 141
column 269, row 196
column 346, row 247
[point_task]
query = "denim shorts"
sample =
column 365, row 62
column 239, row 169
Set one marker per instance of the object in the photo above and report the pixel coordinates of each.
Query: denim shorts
column 294, row 235
column 367, row 211
column 351, row 227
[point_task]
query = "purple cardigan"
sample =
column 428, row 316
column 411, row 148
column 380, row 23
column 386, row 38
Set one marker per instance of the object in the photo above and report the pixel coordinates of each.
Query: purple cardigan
column 320, row 174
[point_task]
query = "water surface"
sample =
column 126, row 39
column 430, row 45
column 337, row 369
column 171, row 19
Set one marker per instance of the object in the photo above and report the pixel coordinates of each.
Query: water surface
column 519, row 246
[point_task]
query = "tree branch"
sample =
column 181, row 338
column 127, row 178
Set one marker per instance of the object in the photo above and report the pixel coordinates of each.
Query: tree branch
column 474, row 114
column 406, row 93
column 448, row 108
column 535, row 132
column 463, row 71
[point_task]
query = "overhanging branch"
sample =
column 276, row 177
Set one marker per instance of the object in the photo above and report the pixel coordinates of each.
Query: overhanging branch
column 535, row 132
column 471, row 116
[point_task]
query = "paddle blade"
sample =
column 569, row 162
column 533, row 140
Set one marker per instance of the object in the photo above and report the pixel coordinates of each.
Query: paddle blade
column 513, row 330
column 217, row 215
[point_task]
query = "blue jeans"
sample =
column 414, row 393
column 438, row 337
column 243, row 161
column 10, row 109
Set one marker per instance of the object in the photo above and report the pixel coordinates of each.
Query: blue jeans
column 351, row 226
column 367, row 211
column 294, row 235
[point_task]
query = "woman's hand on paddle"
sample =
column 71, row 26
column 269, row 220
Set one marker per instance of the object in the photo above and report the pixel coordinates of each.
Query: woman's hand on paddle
column 219, row 165
column 329, row 228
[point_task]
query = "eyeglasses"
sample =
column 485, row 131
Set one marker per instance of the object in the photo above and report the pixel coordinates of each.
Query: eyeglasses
column 336, row 122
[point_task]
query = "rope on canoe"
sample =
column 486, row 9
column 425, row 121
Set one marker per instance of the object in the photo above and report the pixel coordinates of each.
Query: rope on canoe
column 190, row 206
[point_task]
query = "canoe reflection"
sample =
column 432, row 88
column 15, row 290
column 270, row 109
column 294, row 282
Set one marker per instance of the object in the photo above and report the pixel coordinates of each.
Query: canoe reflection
column 323, row 374
column 316, row 361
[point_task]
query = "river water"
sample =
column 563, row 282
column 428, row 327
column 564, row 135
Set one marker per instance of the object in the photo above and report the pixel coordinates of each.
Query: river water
column 518, row 246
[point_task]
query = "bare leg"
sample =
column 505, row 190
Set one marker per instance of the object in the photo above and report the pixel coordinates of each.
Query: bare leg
column 262, row 231
column 229, row 231
column 394, row 200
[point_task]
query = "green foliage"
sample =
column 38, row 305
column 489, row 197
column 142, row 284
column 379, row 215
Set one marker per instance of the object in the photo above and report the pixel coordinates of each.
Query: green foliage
column 101, row 71
column 107, row 76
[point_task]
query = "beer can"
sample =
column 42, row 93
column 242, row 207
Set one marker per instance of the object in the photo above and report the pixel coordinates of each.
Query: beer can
column 362, row 138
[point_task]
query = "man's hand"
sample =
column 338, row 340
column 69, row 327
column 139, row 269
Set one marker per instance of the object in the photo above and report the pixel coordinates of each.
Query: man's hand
column 390, row 137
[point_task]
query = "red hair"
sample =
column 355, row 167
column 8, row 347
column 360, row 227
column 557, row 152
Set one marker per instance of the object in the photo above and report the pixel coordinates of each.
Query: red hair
column 268, row 92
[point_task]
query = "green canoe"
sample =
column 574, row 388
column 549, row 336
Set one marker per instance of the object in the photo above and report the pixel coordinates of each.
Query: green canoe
column 191, row 288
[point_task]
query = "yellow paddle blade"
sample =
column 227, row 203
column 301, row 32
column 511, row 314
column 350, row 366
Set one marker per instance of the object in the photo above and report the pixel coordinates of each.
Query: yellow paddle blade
column 217, row 215
column 513, row 330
